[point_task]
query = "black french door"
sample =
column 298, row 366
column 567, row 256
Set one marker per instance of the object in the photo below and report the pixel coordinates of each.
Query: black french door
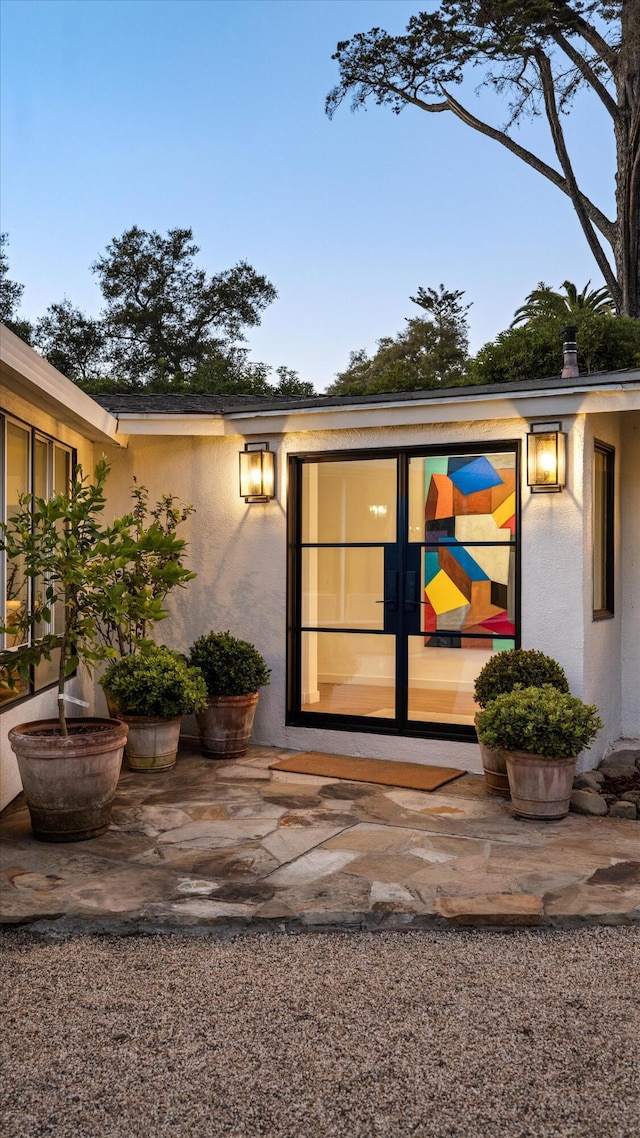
column 403, row 580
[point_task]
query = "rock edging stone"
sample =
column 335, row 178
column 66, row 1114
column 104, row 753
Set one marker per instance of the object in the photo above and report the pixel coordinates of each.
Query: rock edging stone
column 613, row 789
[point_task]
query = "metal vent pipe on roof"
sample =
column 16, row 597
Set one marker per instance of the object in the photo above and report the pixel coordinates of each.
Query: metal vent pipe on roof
column 570, row 369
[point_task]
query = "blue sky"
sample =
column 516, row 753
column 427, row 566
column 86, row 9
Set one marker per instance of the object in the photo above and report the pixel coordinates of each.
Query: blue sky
column 210, row 114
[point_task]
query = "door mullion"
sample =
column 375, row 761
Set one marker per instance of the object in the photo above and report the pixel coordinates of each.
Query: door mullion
column 402, row 644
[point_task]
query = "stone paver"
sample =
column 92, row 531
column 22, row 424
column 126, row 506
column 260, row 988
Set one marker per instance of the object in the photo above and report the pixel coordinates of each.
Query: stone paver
column 228, row 847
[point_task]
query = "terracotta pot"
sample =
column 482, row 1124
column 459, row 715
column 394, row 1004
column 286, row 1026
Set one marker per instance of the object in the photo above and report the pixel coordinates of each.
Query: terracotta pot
column 225, row 725
column 69, row 783
column 494, row 766
column 152, row 742
column 540, row 787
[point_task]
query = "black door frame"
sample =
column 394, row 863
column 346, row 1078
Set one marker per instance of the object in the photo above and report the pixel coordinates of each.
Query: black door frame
column 402, row 558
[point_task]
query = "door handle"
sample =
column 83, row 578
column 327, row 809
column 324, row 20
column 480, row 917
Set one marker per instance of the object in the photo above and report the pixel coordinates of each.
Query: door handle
column 410, row 591
column 391, row 589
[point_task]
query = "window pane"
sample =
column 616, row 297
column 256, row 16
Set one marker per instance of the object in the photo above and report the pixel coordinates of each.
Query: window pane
column 61, row 470
column 6, row 693
column 348, row 674
column 468, row 497
column 468, row 589
column 17, row 585
column 41, row 468
column 343, row 587
column 41, row 489
column 442, row 673
column 349, row 501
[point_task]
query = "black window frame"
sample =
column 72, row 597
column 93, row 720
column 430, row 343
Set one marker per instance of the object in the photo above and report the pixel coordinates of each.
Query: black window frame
column 34, row 432
column 295, row 717
column 607, row 548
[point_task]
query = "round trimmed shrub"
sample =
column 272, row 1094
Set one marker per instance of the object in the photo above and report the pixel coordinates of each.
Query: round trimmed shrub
column 542, row 721
column 229, row 666
column 520, row 667
column 157, row 682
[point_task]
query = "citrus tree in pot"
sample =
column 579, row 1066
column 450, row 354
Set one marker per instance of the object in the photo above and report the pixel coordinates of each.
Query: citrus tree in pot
column 541, row 731
column 505, row 672
column 151, row 565
column 234, row 671
column 152, row 690
column 69, row 766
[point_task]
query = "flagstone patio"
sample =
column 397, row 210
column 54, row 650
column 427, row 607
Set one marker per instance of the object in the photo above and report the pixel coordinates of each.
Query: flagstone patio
column 231, row 847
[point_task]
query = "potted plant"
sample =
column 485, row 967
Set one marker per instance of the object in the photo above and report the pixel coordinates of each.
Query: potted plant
column 505, row 671
column 69, row 766
column 541, row 731
column 152, row 690
column 233, row 671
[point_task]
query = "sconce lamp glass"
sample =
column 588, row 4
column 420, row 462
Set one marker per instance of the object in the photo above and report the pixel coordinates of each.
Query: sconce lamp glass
column 257, row 473
column 546, row 458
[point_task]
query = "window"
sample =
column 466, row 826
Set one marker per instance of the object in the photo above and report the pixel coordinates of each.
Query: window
column 30, row 462
column 603, row 511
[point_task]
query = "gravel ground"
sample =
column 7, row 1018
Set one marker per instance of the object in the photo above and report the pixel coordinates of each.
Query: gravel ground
column 477, row 1034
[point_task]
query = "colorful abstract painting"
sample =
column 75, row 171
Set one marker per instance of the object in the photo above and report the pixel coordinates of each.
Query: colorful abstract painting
column 469, row 554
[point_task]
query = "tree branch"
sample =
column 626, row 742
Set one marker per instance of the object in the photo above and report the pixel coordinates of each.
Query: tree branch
column 582, row 27
column 599, row 219
column 548, row 90
column 588, row 74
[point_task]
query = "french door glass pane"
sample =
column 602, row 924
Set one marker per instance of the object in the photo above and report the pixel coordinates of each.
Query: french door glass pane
column 442, row 672
column 349, row 674
column 349, row 501
column 468, row 589
column 343, row 587
column 469, row 497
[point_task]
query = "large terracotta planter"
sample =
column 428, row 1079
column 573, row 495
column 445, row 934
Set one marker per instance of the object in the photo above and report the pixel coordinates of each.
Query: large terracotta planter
column 540, row 787
column 69, row 782
column 494, row 766
column 225, row 725
column 152, row 742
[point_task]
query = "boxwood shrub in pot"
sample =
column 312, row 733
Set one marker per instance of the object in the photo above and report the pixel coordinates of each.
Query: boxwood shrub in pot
column 234, row 671
column 541, row 731
column 520, row 667
column 152, row 690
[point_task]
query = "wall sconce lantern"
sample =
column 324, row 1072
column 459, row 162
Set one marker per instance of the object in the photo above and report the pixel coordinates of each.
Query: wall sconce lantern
column 546, row 458
column 257, row 473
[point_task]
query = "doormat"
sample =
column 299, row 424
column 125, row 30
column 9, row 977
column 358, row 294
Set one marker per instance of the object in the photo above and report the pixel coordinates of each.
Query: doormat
column 383, row 771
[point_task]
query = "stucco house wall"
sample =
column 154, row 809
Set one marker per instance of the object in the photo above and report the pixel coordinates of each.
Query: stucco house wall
column 630, row 574
column 239, row 553
column 602, row 638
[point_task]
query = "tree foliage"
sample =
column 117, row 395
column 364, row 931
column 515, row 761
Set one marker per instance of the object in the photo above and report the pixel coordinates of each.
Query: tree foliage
column 536, row 54
column 10, row 297
column 543, row 303
column 429, row 352
column 72, row 342
column 164, row 315
column 167, row 327
column 534, row 350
